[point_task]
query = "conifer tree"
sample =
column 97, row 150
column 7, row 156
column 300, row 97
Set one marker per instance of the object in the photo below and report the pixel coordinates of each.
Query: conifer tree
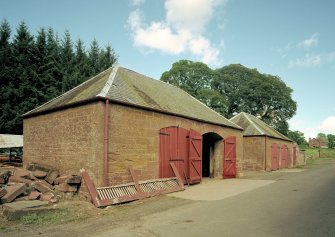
column 93, row 57
column 34, row 70
column 67, row 62
column 5, row 75
column 23, row 78
column 82, row 70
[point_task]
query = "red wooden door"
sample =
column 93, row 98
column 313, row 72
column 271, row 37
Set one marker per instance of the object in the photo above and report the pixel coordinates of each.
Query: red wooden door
column 284, row 158
column 294, row 156
column 229, row 159
column 274, row 156
column 172, row 149
column 195, row 157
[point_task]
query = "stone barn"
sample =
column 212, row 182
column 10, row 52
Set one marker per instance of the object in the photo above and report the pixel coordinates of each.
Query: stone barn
column 120, row 119
column 264, row 147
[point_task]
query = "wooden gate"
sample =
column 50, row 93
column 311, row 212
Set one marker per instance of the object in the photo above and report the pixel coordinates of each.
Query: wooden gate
column 184, row 149
column 274, row 156
column 229, row 159
column 294, row 156
column 172, row 150
column 284, row 158
column 195, row 157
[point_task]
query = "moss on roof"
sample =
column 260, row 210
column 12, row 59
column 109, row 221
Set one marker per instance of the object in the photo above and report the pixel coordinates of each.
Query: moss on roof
column 88, row 89
column 253, row 126
column 124, row 85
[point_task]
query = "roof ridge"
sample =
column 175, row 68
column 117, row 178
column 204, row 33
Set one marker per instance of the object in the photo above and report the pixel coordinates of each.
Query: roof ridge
column 150, row 78
column 273, row 130
column 109, row 83
column 48, row 102
column 252, row 123
column 235, row 116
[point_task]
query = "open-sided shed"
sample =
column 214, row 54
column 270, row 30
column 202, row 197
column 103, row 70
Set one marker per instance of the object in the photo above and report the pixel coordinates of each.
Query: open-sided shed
column 120, row 119
column 264, row 147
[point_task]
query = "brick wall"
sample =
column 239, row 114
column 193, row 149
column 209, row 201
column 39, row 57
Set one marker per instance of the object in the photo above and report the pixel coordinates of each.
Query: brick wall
column 69, row 139
column 253, row 156
column 134, row 141
column 73, row 138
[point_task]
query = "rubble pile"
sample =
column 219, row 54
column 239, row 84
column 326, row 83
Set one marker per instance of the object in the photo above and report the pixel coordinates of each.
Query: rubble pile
column 37, row 182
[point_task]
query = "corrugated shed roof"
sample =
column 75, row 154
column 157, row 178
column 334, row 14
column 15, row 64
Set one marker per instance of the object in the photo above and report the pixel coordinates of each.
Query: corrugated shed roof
column 124, row 85
column 11, row 141
column 253, row 126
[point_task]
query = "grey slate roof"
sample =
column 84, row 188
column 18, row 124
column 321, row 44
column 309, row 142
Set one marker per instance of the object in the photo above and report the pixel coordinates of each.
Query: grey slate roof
column 119, row 84
column 253, row 126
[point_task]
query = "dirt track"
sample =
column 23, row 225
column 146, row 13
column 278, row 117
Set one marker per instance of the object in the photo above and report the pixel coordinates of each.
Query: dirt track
column 143, row 218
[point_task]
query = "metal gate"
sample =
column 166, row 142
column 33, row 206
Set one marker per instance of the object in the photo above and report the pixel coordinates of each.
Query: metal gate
column 284, row 158
column 183, row 148
column 195, row 157
column 274, row 156
column 229, row 159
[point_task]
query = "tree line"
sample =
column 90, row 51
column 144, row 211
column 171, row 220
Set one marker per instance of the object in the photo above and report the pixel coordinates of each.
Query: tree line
column 330, row 138
column 36, row 68
column 235, row 88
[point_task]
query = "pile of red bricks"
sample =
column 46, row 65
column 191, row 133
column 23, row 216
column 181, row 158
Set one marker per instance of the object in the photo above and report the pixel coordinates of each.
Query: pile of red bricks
column 37, row 182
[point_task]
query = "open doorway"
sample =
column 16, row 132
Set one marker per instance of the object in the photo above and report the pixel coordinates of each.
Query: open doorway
column 209, row 143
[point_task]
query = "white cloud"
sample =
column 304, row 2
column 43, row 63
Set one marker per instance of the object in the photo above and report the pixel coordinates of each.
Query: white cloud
column 310, row 42
column 307, row 61
column 310, row 132
column 181, row 32
column 191, row 15
column 313, row 60
column 137, row 2
column 302, row 126
column 284, row 51
column 328, row 125
column 201, row 47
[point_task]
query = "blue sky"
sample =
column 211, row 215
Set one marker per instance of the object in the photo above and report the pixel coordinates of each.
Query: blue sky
column 291, row 39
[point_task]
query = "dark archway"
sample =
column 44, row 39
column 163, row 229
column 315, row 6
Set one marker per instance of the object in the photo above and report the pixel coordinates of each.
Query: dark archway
column 209, row 143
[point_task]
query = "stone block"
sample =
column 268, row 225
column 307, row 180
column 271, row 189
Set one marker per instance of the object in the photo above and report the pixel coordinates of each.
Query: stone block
column 64, row 187
column 4, row 175
column 47, row 197
column 69, row 179
column 2, row 192
column 14, row 179
column 42, row 187
column 13, row 192
column 35, row 166
column 51, row 176
column 34, row 195
column 18, row 172
column 39, row 174
column 15, row 211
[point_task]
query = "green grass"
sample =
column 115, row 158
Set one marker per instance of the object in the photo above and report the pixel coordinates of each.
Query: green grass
column 326, row 156
column 324, row 153
column 56, row 217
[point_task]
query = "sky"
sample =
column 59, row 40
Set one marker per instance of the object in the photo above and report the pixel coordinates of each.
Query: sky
column 294, row 40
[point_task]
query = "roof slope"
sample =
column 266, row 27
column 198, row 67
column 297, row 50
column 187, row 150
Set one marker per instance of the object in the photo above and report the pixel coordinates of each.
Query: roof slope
column 253, row 126
column 119, row 84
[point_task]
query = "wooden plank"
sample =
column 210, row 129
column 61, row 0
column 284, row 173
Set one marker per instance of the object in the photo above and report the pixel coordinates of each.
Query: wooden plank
column 176, row 173
column 91, row 188
column 136, row 182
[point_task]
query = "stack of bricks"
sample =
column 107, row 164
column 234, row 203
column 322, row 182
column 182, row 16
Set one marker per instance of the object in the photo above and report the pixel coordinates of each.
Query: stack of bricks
column 37, row 182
